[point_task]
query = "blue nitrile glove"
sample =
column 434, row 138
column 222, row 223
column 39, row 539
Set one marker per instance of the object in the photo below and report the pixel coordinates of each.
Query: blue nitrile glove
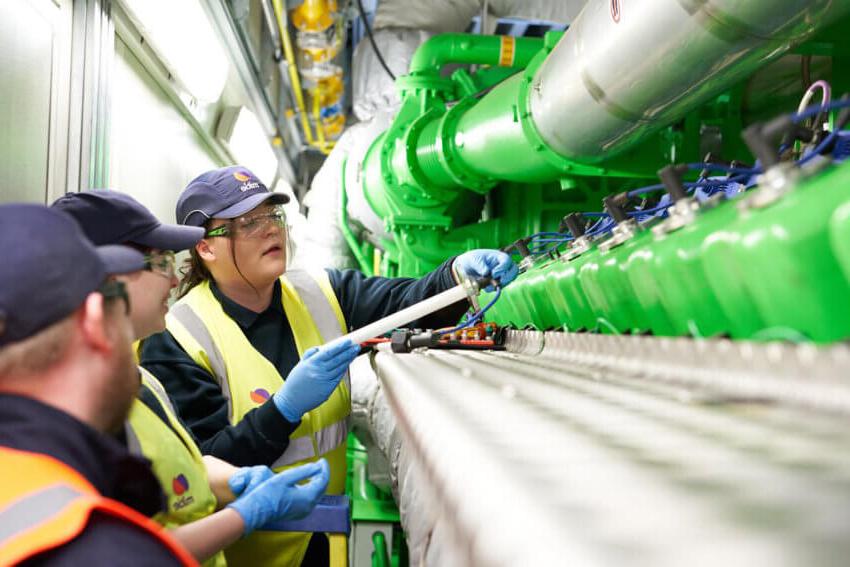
column 282, row 498
column 314, row 378
column 247, row 479
column 487, row 263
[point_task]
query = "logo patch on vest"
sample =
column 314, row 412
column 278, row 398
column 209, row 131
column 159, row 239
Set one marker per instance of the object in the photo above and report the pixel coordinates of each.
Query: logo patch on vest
column 180, row 484
column 260, row 395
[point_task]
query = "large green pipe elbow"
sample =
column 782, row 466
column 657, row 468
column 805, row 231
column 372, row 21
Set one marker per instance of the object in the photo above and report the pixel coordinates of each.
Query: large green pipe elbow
column 476, row 143
column 505, row 51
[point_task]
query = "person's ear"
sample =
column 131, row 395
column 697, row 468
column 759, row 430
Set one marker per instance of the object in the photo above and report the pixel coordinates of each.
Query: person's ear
column 206, row 250
column 92, row 323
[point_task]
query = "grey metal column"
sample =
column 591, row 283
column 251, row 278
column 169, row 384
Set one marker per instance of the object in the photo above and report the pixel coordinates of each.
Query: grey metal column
column 88, row 132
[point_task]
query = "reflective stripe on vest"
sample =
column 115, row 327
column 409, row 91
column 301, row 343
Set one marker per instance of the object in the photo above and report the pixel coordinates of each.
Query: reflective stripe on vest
column 301, row 448
column 35, row 509
column 214, row 360
column 316, row 300
column 44, row 504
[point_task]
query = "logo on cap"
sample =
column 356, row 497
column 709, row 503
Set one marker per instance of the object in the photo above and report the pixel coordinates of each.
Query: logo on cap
column 260, row 395
column 247, row 183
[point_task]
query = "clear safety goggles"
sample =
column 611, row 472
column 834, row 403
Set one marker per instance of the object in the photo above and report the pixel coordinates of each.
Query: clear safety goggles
column 250, row 225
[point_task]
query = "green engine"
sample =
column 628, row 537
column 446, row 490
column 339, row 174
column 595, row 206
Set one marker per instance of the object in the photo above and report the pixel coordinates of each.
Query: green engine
column 552, row 148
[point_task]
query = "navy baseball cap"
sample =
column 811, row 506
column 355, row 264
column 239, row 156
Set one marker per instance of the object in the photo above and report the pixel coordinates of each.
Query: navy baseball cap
column 224, row 193
column 111, row 217
column 49, row 268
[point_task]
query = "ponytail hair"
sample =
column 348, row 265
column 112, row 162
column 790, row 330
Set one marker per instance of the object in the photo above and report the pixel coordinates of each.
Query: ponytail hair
column 192, row 273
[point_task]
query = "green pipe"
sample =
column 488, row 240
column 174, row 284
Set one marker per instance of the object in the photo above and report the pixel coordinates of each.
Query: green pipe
column 467, row 48
column 380, row 553
column 365, row 267
column 417, row 175
column 471, row 145
column 489, row 141
column 433, row 151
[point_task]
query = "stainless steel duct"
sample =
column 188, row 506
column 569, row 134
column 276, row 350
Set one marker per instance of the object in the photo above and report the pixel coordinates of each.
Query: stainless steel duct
column 626, row 68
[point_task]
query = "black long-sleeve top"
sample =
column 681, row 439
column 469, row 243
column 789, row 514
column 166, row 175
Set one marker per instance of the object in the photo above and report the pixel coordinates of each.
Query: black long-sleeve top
column 29, row 425
column 263, row 433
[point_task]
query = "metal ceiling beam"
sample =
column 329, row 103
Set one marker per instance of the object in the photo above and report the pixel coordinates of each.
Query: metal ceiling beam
column 225, row 24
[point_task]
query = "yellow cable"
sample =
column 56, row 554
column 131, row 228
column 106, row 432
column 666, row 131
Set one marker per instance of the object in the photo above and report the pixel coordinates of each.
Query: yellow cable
column 320, row 132
column 293, row 69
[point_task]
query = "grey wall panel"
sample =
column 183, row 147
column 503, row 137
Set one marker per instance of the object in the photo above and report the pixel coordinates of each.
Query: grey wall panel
column 26, row 53
column 154, row 151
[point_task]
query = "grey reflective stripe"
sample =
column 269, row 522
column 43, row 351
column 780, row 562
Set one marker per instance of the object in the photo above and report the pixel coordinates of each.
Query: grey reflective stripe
column 133, row 443
column 317, row 303
column 332, row 436
column 298, row 449
column 158, row 389
column 35, row 509
column 196, row 327
column 319, row 307
column 327, row 439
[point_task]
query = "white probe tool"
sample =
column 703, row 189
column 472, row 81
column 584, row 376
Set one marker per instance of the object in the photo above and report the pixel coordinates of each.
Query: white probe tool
column 467, row 289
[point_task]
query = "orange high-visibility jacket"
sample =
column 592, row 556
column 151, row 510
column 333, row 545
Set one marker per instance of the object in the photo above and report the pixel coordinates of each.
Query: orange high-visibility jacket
column 44, row 503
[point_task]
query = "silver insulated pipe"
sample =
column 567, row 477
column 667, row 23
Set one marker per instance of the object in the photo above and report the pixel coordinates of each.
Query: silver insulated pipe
column 625, row 68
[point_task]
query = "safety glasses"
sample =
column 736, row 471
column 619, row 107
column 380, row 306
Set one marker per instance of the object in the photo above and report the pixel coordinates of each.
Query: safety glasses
column 161, row 263
column 250, row 226
column 112, row 290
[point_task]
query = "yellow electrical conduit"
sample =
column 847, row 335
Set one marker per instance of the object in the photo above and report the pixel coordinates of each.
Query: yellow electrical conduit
column 296, row 83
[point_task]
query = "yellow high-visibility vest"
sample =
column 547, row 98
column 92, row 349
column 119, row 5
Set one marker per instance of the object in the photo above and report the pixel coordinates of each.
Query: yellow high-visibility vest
column 176, row 461
column 247, row 379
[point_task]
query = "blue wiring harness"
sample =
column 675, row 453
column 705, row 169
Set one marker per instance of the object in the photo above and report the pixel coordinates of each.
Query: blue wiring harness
column 738, row 179
column 475, row 317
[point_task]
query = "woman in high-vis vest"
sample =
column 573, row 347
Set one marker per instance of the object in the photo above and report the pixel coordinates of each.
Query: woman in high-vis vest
column 195, row 486
column 229, row 358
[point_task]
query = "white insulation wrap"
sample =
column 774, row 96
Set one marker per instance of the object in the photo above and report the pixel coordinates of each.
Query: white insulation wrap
column 391, row 464
column 323, row 242
column 444, row 16
column 372, row 88
column 362, row 136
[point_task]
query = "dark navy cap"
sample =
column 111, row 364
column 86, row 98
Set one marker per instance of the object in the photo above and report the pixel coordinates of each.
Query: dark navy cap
column 111, row 217
column 224, row 193
column 49, row 268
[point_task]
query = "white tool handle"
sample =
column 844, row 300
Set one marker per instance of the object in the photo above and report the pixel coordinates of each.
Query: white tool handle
column 409, row 314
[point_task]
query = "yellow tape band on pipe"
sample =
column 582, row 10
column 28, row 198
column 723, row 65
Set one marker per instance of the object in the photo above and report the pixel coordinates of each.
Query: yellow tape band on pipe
column 507, row 51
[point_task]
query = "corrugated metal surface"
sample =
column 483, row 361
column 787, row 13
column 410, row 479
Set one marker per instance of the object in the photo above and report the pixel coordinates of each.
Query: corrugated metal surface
column 577, row 457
